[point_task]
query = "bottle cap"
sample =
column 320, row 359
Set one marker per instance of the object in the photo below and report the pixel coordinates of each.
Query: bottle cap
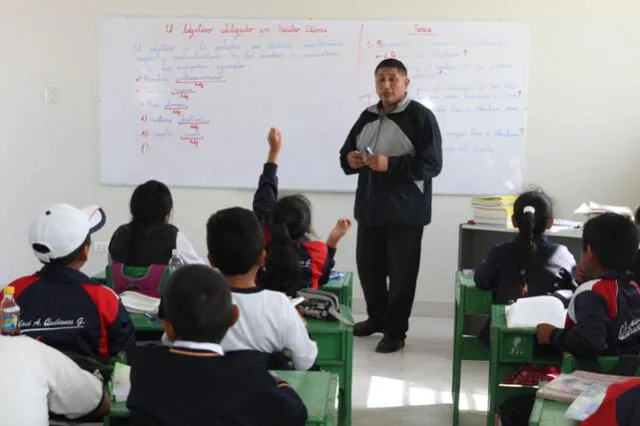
column 9, row 290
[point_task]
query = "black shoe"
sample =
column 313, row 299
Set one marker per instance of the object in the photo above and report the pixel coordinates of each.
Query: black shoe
column 366, row 328
column 388, row 345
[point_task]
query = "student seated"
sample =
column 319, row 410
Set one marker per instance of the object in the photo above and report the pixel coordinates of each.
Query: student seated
column 604, row 312
column 60, row 305
column 295, row 258
column 38, row 379
column 149, row 239
column 268, row 322
column 530, row 265
column 193, row 383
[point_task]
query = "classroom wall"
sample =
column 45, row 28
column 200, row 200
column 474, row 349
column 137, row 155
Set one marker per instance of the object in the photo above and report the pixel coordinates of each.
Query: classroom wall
column 583, row 127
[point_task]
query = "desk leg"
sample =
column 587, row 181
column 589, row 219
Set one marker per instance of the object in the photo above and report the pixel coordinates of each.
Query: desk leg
column 348, row 377
column 457, row 362
column 494, row 380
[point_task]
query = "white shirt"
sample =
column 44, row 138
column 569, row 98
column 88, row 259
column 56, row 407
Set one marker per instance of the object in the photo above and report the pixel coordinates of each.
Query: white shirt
column 186, row 250
column 36, row 378
column 269, row 323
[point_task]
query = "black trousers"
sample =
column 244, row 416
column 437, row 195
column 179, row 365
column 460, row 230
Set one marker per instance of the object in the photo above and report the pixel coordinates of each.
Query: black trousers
column 393, row 253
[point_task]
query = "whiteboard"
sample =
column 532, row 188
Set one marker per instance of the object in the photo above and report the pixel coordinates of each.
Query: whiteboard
column 189, row 101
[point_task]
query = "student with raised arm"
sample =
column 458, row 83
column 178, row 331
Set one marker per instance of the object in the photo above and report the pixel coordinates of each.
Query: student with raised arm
column 296, row 259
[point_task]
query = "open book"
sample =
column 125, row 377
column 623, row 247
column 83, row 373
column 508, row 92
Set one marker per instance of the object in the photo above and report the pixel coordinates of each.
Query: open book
column 568, row 387
column 137, row 303
column 528, row 312
column 121, row 382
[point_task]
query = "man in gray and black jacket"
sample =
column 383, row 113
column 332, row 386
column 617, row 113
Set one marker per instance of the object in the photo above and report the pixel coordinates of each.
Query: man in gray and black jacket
column 395, row 147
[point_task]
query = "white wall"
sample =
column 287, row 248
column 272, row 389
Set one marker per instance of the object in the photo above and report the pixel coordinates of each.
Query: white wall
column 583, row 130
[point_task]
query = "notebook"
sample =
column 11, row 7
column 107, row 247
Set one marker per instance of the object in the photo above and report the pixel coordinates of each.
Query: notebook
column 528, row 312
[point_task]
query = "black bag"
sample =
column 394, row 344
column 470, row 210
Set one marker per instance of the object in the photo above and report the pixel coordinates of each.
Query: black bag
column 322, row 305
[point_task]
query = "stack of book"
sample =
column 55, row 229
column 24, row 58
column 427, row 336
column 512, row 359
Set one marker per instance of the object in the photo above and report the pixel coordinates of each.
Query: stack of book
column 496, row 210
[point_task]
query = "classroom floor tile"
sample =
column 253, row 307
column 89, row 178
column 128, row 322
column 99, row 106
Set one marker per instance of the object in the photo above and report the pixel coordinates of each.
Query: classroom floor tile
column 413, row 386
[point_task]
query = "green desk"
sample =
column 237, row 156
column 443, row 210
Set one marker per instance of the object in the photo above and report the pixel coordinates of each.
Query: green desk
column 318, row 390
column 341, row 287
column 335, row 351
column 510, row 348
column 550, row 413
column 469, row 302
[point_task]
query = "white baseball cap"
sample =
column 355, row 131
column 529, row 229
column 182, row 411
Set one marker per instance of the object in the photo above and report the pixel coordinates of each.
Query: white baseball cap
column 61, row 229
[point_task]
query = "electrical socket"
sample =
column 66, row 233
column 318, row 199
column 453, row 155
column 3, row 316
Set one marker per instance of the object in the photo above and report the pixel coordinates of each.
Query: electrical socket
column 101, row 246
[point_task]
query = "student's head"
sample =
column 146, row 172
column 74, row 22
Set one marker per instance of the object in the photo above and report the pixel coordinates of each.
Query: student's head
column 62, row 234
column 391, row 81
column 610, row 242
column 636, row 217
column 197, row 305
column 235, row 241
column 532, row 215
column 151, row 202
column 290, row 220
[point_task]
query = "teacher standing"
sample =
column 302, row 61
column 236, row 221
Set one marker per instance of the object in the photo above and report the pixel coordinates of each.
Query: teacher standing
column 395, row 147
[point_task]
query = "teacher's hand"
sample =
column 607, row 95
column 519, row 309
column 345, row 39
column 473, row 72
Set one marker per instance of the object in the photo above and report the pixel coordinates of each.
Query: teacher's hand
column 356, row 160
column 378, row 162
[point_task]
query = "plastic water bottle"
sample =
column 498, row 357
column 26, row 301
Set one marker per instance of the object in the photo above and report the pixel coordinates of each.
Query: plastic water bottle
column 10, row 313
column 176, row 261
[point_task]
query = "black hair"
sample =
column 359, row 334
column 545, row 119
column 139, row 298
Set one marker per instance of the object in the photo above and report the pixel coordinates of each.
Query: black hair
column 66, row 260
column 614, row 240
column 197, row 302
column 290, row 220
column 392, row 63
column 532, row 212
column 636, row 217
column 150, row 204
column 235, row 240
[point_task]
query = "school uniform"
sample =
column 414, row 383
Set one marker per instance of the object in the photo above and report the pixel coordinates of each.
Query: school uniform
column 315, row 259
column 635, row 266
column 551, row 269
column 620, row 406
column 269, row 323
column 64, row 308
column 37, row 379
column 154, row 245
column 194, row 384
column 603, row 319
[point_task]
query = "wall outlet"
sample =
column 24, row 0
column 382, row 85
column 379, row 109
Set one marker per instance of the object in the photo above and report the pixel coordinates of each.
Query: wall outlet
column 101, row 246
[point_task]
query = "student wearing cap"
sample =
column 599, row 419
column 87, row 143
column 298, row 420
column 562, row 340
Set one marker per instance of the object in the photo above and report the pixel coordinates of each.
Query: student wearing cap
column 60, row 305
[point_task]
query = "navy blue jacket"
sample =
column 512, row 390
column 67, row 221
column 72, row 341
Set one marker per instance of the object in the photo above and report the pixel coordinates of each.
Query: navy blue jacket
column 65, row 309
column 552, row 269
column 410, row 137
column 603, row 319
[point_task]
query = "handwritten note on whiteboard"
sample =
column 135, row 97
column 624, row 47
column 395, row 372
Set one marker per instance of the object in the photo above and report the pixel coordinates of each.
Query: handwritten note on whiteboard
column 189, row 101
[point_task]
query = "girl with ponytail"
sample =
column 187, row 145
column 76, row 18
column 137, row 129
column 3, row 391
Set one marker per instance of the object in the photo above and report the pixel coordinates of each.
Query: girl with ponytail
column 149, row 239
column 530, row 265
column 295, row 258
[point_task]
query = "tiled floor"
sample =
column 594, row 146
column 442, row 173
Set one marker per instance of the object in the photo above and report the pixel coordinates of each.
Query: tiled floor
column 413, row 386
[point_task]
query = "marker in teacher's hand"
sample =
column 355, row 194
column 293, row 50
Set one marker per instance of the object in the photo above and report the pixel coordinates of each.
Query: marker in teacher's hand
column 368, row 151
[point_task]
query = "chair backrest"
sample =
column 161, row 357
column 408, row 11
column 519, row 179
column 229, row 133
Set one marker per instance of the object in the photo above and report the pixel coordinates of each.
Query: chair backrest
column 149, row 280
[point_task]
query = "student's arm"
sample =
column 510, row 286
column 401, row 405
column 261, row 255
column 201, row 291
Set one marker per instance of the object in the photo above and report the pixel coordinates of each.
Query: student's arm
column 266, row 195
column 427, row 161
column 120, row 331
column 589, row 337
column 296, row 338
column 486, row 276
column 284, row 406
column 186, row 250
column 329, row 263
column 73, row 392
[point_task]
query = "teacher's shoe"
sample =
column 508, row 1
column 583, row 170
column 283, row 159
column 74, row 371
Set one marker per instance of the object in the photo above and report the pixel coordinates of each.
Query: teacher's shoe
column 366, row 328
column 388, row 345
